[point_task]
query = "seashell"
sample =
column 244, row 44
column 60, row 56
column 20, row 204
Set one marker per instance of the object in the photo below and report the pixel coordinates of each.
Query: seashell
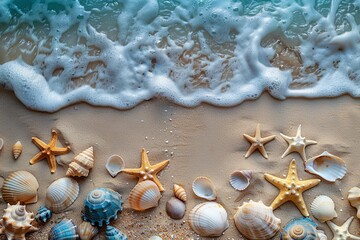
column 203, row 187
column 81, row 164
column 87, row 231
column 175, row 208
column 354, row 199
column 208, row 219
column 17, row 149
column 115, row 164
column 1, row 143
column 144, row 195
column 65, row 230
column 240, row 180
column 327, row 166
column 180, row 192
column 323, row 208
column 20, row 186
column 114, row 234
column 300, row 229
column 254, row 220
column 61, row 194
column 16, row 222
column 321, row 235
column 43, row 214
column 101, row 205
column 155, row 238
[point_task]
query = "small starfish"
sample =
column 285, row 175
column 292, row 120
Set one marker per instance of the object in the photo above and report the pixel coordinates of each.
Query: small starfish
column 48, row 151
column 291, row 188
column 147, row 171
column 257, row 142
column 297, row 144
column 342, row 232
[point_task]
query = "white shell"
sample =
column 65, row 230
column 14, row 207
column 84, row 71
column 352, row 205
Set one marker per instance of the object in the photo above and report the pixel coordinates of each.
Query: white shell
column 87, row 231
column 180, row 192
column 175, row 208
column 1, row 143
column 61, row 194
column 144, row 195
column 323, row 208
column 155, row 238
column 254, row 220
column 354, row 199
column 240, row 180
column 327, row 166
column 17, row 150
column 208, row 219
column 82, row 163
column 203, row 187
column 321, row 235
column 115, row 164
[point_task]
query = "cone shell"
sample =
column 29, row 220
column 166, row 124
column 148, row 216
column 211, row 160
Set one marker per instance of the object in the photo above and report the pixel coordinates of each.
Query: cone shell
column 323, row 208
column 1, row 143
column 61, row 194
column 17, row 149
column 203, row 187
column 144, row 195
column 65, row 230
column 87, row 231
column 114, row 234
column 115, row 164
column 180, row 192
column 81, row 164
column 240, row 180
column 327, row 166
column 254, row 220
column 20, row 186
column 175, row 208
column 300, row 228
column 43, row 215
column 354, row 199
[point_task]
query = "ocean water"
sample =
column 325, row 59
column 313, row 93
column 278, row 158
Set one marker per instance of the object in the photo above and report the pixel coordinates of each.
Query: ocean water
column 118, row 53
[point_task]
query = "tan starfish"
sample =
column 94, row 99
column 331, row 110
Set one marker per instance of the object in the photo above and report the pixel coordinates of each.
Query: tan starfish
column 147, row 171
column 257, row 142
column 48, row 151
column 291, row 188
column 342, row 232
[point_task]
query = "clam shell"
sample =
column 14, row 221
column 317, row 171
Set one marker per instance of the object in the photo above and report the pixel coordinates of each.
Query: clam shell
column 81, row 164
column 87, row 231
column 323, row 208
column 20, row 186
column 203, row 187
column 43, row 215
column 175, row 208
column 1, row 143
column 300, row 228
column 144, row 195
column 115, row 164
column 254, row 220
column 65, row 230
column 61, row 194
column 114, row 234
column 17, row 150
column 180, row 192
column 327, row 166
column 354, row 199
column 240, row 180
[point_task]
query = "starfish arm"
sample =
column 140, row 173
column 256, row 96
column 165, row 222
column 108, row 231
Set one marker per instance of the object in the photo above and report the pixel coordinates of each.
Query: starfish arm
column 40, row 144
column 300, row 204
column 267, row 139
column 302, row 154
column 353, row 237
column 251, row 149
column 257, row 131
column 286, row 138
column 292, row 171
column 37, row 158
column 347, row 223
column 278, row 201
column 58, row 151
column 307, row 184
column 277, row 182
column 54, row 137
column 298, row 132
column 160, row 166
column 263, row 151
column 310, row 142
column 249, row 138
column 158, row 183
column 144, row 158
column 287, row 151
column 332, row 226
column 52, row 163
column 132, row 171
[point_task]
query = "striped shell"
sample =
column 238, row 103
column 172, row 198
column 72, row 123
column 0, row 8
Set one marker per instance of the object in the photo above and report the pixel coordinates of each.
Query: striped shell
column 240, row 180
column 114, row 234
column 81, row 164
column 354, row 199
column 65, row 230
column 180, row 193
column 300, row 229
column 175, row 208
column 115, row 164
column 203, row 187
column 101, row 205
column 87, row 231
column 61, row 194
column 20, row 186
column 254, row 220
column 144, row 195
column 17, row 150
column 323, row 208
column 43, row 215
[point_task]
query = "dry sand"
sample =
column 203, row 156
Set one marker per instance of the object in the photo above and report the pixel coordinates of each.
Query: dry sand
column 205, row 141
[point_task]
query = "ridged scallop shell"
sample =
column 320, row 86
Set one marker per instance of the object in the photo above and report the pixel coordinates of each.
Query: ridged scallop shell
column 175, row 208
column 114, row 234
column 323, row 208
column 144, row 195
column 16, row 222
column 240, row 180
column 101, row 205
column 65, row 230
column 300, row 229
column 20, row 186
column 180, row 192
column 1, row 143
column 17, row 150
column 327, row 166
column 254, row 220
column 114, row 165
column 203, row 187
column 43, row 214
column 208, row 219
column 354, row 199
column 321, row 235
column 61, row 194
column 87, row 231
column 81, row 164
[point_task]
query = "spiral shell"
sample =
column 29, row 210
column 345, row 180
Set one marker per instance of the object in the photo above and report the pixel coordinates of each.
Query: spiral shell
column 203, row 187
column 321, row 235
column 65, row 230
column 61, row 194
column 20, row 186
column 81, row 164
column 323, row 208
column 175, row 208
column 180, row 192
column 17, row 150
column 208, row 219
column 43, row 215
column 354, row 199
column 114, row 234
column 114, row 165
column 300, row 229
column 87, row 231
column 240, row 180
column 101, row 205
column 144, row 195
column 254, row 220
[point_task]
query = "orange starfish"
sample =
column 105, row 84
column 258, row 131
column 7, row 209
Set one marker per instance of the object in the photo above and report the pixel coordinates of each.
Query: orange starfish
column 147, row 171
column 48, row 151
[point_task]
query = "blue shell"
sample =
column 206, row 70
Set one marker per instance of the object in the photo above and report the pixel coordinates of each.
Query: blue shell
column 65, row 230
column 43, row 214
column 114, row 234
column 305, row 225
column 101, row 205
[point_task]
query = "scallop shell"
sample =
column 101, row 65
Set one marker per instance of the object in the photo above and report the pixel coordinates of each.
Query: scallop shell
column 65, row 230
column 175, row 208
column 254, row 220
column 114, row 165
column 203, row 187
column 180, row 192
column 101, row 205
column 81, row 164
column 300, row 228
column 144, row 195
column 321, row 235
column 20, row 186
column 240, row 180
column 354, row 199
column 61, row 194
column 114, row 234
column 327, row 166
column 1, row 143
column 17, row 149
column 323, row 208
column 43, row 215
column 87, row 231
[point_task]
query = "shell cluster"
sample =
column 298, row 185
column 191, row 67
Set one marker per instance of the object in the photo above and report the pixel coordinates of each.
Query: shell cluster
column 144, row 195
column 17, row 150
column 323, row 208
column 204, row 188
column 82, row 163
column 114, row 234
column 240, row 179
column 114, row 165
column 300, row 229
column 65, row 230
column 86, row 231
column 43, row 214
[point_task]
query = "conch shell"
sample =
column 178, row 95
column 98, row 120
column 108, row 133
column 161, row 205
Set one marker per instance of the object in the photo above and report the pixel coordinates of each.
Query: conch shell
column 180, row 193
column 323, row 208
column 17, row 150
column 81, row 164
column 354, row 199
column 144, row 195
column 86, row 231
column 203, row 187
column 66, row 229
column 300, row 228
column 113, row 233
